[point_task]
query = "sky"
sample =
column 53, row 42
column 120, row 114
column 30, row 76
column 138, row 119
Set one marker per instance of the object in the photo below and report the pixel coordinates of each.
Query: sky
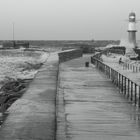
column 66, row 19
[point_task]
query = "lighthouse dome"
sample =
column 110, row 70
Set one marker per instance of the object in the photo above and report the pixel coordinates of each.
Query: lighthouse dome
column 132, row 14
column 132, row 17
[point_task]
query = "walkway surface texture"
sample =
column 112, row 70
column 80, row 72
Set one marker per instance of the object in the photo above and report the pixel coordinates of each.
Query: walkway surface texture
column 94, row 109
column 32, row 117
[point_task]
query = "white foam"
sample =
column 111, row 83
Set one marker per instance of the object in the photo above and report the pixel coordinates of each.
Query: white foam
column 12, row 66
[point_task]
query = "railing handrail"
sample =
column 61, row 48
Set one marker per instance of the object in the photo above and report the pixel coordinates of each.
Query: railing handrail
column 126, row 86
column 100, row 53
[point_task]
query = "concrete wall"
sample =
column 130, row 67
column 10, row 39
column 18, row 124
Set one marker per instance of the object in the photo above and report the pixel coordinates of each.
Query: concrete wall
column 69, row 55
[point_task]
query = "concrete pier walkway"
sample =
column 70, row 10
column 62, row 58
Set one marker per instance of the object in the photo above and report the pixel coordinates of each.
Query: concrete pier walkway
column 93, row 107
column 32, row 117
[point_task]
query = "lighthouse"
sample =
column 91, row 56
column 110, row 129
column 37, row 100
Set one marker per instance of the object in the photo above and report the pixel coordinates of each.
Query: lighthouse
column 132, row 29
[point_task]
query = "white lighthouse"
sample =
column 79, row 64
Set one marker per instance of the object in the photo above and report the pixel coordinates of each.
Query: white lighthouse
column 132, row 29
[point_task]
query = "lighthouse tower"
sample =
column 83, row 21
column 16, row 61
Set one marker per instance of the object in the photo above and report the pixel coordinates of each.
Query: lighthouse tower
column 132, row 29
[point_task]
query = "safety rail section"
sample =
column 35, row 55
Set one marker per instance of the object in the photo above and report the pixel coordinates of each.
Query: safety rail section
column 133, row 67
column 127, row 87
column 125, row 65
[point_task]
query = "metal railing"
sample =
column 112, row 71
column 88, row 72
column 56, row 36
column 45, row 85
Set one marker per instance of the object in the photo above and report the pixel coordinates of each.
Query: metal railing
column 127, row 87
column 132, row 67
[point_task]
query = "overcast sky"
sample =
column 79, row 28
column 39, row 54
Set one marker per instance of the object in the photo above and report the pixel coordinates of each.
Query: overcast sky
column 67, row 19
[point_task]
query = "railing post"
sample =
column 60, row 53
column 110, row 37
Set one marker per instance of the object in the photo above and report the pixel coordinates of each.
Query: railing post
column 106, row 70
column 128, row 88
column 91, row 60
column 96, row 63
column 122, row 85
column 133, row 68
column 109, row 73
column 112, row 75
column 135, row 94
column 139, row 96
column 101, row 67
column 119, row 81
column 131, row 91
column 136, row 69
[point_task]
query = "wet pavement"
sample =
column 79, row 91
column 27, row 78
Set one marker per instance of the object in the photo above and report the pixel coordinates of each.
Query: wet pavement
column 93, row 109
column 32, row 117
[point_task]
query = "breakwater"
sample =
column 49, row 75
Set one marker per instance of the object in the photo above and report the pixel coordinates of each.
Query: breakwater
column 34, row 114
column 69, row 55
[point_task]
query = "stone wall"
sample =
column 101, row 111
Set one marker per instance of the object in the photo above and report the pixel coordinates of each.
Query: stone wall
column 69, row 55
